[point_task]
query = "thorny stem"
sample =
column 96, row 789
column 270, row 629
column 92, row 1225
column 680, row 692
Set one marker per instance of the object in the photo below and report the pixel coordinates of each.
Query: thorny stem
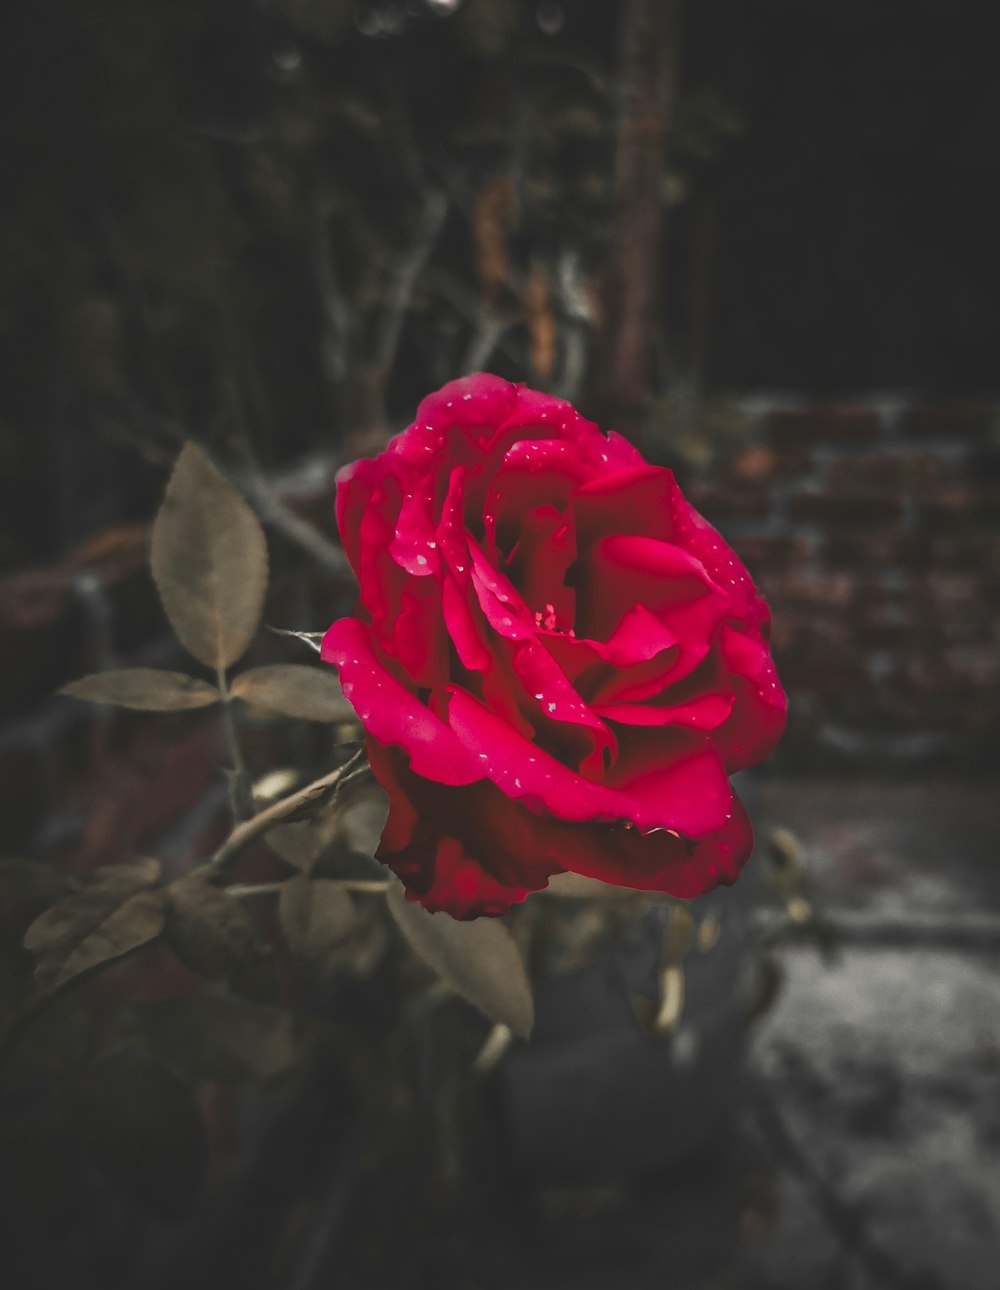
column 240, row 791
column 248, row 831
column 240, row 838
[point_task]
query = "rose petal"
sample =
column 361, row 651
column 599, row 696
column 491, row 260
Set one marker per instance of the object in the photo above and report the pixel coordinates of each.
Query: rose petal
column 705, row 713
column 663, row 861
column 469, row 850
column 636, row 501
column 461, row 850
column 389, row 712
column 677, row 784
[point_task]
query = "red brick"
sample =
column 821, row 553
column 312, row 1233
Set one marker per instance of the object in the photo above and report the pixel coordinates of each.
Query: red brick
column 823, row 424
column 846, row 511
column 962, row 592
column 902, row 470
column 969, row 503
column 720, row 501
column 763, row 555
column 948, row 420
column 812, row 591
column 759, row 463
column 882, row 550
column 977, row 550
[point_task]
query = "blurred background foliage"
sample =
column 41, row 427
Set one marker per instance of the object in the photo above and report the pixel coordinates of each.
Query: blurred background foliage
column 272, row 223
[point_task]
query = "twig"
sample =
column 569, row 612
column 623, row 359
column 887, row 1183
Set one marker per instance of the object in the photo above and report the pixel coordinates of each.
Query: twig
column 274, row 513
column 400, row 288
column 335, row 346
column 576, row 312
column 632, row 279
column 484, row 341
column 250, row 830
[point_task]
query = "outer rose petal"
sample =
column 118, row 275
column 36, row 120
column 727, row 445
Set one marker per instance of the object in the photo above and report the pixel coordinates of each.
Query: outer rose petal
column 686, row 790
column 389, row 712
column 472, row 850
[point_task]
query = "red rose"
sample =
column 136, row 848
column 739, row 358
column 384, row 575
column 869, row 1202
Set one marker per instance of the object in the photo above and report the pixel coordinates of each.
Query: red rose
column 556, row 659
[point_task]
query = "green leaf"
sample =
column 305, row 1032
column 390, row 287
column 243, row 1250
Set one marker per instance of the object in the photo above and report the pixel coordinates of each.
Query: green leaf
column 317, row 916
column 478, row 959
column 147, row 689
column 295, row 690
column 216, row 1037
column 209, row 560
column 112, row 915
column 144, row 1129
column 364, row 809
column 215, row 936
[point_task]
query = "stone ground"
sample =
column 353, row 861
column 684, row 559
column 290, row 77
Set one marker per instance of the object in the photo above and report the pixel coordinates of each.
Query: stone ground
column 867, row 1151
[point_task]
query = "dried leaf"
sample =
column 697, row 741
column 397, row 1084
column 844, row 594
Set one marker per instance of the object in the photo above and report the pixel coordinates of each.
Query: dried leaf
column 138, row 921
column 132, row 875
column 312, row 639
column 215, row 936
column 317, row 915
column 112, row 915
column 364, row 810
column 299, row 845
column 216, row 1037
column 209, row 560
column 295, row 690
column 147, row 689
column 478, row 959
column 143, row 1126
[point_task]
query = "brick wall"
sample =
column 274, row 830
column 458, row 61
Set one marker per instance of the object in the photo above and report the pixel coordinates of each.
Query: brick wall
column 873, row 528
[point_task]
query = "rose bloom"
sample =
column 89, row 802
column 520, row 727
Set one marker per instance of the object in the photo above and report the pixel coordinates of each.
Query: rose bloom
column 556, row 659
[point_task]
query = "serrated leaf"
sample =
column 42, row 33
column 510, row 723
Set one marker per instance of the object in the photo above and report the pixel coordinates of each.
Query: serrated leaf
column 135, row 923
column 295, row 690
column 209, row 561
column 216, row 1037
column 478, row 959
column 316, row 915
column 364, row 809
column 142, row 871
column 146, row 689
column 105, row 889
column 214, row 935
column 144, row 1129
column 112, row 915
